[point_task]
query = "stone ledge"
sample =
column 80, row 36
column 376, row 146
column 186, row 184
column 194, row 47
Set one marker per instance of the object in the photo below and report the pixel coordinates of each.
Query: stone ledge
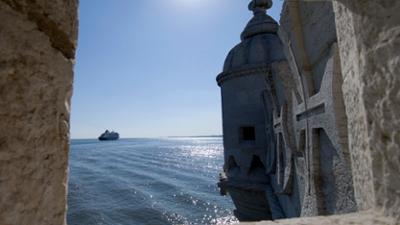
column 362, row 218
column 56, row 19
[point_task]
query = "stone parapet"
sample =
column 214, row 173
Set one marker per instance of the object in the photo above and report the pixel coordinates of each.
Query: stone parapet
column 369, row 43
column 363, row 218
column 38, row 42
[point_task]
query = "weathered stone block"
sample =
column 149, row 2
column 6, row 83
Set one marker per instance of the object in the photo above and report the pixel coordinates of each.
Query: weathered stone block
column 317, row 120
column 363, row 218
column 38, row 40
column 369, row 41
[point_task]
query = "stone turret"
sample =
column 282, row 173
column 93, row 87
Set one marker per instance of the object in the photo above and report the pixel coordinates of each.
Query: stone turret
column 285, row 133
column 248, row 144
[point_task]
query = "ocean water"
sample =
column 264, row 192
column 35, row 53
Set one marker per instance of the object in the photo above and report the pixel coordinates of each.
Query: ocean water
column 147, row 181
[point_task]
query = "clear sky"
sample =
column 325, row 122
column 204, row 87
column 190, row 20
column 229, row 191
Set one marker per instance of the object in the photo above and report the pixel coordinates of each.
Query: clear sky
column 147, row 68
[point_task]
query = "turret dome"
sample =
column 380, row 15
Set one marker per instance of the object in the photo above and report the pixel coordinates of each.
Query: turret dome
column 260, row 44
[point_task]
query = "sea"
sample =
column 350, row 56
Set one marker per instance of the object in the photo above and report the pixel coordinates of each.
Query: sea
column 147, row 181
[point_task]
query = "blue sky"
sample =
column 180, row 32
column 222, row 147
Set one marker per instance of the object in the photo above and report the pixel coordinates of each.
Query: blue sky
column 147, row 68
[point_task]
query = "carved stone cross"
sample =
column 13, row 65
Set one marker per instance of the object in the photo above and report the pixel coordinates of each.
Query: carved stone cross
column 310, row 137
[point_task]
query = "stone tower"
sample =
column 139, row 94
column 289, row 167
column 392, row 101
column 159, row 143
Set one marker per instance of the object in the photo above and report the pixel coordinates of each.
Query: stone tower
column 247, row 128
column 285, row 137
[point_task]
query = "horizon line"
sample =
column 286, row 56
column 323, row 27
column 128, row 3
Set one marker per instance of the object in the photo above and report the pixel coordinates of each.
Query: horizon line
column 177, row 136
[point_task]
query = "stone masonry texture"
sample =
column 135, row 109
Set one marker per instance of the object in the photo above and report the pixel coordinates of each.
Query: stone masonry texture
column 363, row 218
column 37, row 45
column 368, row 35
column 369, row 42
column 308, row 33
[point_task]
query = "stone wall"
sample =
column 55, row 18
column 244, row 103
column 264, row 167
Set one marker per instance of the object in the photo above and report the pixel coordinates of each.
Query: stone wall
column 369, row 41
column 363, row 218
column 37, row 46
column 369, row 45
column 310, row 30
column 321, row 156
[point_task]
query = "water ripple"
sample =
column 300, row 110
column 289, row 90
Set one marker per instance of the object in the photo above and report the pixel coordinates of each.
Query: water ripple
column 147, row 181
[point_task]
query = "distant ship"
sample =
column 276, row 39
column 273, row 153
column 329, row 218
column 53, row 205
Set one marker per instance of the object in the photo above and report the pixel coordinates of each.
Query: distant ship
column 109, row 136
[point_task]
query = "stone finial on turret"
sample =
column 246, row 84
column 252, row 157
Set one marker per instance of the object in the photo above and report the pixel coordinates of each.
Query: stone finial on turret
column 260, row 5
column 261, row 22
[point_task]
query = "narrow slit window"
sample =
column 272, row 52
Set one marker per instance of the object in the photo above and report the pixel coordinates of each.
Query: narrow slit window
column 248, row 133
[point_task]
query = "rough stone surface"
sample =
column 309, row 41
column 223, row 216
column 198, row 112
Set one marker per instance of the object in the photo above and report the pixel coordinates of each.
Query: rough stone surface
column 310, row 26
column 38, row 40
column 312, row 119
column 363, row 218
column 55, row 18
column 369, row 45
column 325, row 138
column 369, row 41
